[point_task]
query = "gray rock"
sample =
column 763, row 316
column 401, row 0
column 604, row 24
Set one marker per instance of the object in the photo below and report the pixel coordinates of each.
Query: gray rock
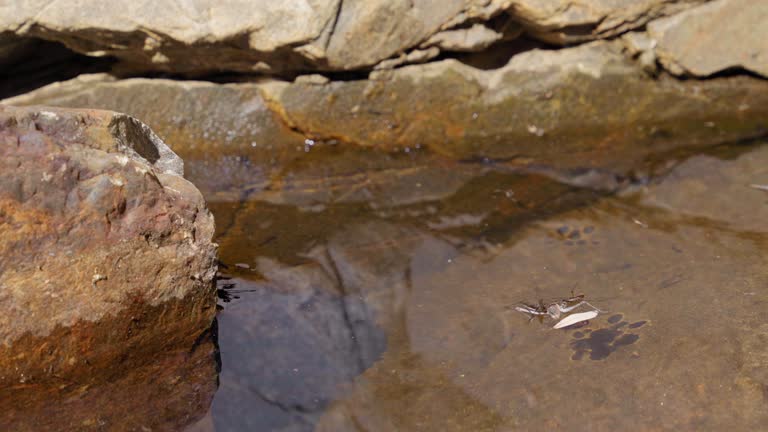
column 715, row 37
column 563, row 22
column 474, row 38
column 413, row 57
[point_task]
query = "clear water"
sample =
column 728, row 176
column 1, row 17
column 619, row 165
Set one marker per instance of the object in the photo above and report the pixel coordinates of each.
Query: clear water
column 368, row 292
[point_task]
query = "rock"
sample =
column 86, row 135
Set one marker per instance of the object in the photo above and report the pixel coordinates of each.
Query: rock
column 566, row 22
column 640, row 46
column 719, row 36
column 169, row 36
column 583, row 107
column 319, row 339
column 367, row 32
column 107, row 252
column 264, row 36
column 413, row 57
column 28, row 63
column 174, row 390
column 474, row 38
column 226, row 134
column 309, row 36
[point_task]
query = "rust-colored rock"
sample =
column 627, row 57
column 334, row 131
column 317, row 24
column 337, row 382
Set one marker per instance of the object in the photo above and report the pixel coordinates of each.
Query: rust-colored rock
column 171, row 392
column 107, row 259
column 587, row 106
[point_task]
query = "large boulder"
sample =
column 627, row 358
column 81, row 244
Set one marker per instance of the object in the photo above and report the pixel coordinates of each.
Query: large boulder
column 263, row 36
column 107, row 250
column 723, row 35
column 311, row 35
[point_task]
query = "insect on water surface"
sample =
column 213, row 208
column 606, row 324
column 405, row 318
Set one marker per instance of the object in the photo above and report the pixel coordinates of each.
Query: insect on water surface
column 556, row 308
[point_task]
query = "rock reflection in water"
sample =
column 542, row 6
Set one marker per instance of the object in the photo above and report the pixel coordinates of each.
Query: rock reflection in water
column 427, row 285
column 319, row 295
column 289, row 346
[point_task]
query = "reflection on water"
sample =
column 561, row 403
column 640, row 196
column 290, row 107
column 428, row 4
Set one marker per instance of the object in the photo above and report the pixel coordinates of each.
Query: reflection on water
column 382, row 302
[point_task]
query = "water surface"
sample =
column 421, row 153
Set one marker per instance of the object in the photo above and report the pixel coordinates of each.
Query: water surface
column 374, row 293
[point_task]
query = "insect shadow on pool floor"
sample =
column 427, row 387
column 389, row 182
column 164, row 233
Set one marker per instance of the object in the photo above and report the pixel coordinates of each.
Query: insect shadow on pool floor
column 600, row 343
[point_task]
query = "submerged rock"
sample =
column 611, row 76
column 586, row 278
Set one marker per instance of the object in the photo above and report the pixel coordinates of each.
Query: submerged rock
column 107, row 252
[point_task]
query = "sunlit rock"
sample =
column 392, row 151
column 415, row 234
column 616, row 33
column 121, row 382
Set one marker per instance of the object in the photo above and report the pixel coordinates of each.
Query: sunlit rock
column 299, row 35
column 107, row 253
column 720, row 36
column 589, row 106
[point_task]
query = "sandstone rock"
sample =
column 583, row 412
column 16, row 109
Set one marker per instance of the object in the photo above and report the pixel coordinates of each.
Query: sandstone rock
column 182, row 37
column 309, row 35
column 413, row 57
column 564, row 21
column 210, row 36
column 583, row 107
column 474, row 38
column 719, row 36
column 367, row 32
column 107, row 252
column 640, row 47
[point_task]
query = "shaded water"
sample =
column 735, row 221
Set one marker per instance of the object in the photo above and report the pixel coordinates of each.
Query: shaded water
column 375, row 295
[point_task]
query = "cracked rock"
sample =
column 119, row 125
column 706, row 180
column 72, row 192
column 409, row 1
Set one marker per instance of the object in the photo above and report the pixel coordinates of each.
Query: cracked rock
column 287, row 37
column 474, row 38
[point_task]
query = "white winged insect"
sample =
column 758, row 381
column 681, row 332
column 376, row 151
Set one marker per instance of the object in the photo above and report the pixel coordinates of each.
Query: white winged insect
column 575, row 319
column 555, row 309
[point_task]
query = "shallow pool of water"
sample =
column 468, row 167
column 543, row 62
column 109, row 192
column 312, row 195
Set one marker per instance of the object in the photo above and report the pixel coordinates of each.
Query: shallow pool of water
column 382, row 298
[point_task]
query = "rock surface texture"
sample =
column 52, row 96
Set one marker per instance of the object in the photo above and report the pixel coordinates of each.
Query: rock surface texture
column 720, row 36
column 107, row 258
column 264, row 36
column 588, row 106
column 584, row 106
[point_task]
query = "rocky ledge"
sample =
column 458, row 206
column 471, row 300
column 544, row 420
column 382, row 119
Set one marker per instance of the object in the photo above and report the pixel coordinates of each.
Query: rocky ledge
column 299, row 36
column 107, row 261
